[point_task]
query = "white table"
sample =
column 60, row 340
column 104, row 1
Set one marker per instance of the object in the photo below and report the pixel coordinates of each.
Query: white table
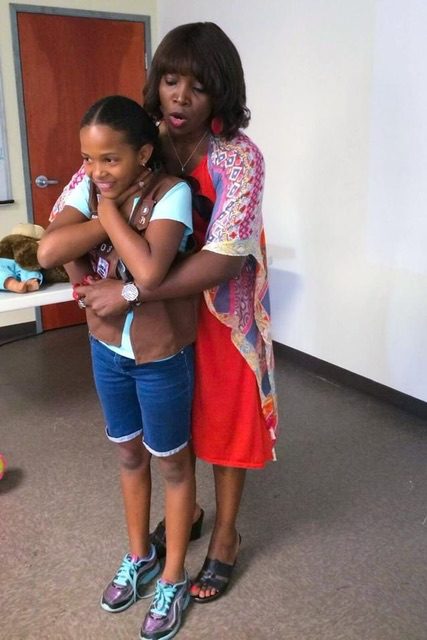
column 47, row 294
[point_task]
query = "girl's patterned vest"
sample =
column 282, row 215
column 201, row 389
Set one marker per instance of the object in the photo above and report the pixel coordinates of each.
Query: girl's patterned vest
column 159, row 329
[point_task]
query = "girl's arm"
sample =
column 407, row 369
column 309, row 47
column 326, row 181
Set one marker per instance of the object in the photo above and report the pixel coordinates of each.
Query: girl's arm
column 65, row 239
column 147, row 257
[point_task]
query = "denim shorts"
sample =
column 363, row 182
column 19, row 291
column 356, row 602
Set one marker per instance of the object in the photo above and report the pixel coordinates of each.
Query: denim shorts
column 152, row 399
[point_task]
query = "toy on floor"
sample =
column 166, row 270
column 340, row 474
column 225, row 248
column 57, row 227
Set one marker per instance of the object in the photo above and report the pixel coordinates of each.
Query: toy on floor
column 20, row 271
column 2, row 466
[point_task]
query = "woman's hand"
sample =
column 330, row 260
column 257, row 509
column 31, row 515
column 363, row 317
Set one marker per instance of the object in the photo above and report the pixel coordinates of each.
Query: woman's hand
column 103, row 296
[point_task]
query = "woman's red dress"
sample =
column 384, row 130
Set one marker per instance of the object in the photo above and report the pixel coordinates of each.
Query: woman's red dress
column 229, row 428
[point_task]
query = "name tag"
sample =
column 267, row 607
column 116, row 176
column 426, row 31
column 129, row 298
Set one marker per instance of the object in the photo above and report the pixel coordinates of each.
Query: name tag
column 102, row 267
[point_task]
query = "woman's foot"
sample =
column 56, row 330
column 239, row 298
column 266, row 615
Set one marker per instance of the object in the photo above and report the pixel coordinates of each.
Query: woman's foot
column 158, row 536
column 213, row 579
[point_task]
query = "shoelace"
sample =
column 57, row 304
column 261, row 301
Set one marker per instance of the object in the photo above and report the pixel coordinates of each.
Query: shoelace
column 163, row 597
column 126, row 573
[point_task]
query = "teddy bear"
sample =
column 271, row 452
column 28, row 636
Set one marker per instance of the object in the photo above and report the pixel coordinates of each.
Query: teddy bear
column 19, row 270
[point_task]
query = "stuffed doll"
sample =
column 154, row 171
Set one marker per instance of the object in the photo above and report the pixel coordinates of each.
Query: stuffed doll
column 19, row 270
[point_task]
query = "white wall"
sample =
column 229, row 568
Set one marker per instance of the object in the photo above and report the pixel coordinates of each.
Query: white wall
column 337, row 91
column 12, row 214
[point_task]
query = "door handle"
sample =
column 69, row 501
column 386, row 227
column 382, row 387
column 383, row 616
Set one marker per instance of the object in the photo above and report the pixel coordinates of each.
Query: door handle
column 42, row 182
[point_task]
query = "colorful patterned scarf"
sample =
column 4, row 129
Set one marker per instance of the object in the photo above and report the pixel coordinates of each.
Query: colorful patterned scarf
column 236, row 229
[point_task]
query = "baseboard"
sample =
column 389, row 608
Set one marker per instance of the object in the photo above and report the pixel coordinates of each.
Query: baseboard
column 14, row 332
column 342, row 376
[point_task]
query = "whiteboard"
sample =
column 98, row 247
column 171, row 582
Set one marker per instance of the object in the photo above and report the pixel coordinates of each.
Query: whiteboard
column 5, row 187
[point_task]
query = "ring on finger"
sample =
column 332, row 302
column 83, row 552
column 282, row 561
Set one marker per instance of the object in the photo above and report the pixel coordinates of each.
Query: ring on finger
column 81, row 303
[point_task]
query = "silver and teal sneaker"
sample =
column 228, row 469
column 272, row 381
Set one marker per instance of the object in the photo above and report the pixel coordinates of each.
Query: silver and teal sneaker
column 164, row 617
column 128, row 584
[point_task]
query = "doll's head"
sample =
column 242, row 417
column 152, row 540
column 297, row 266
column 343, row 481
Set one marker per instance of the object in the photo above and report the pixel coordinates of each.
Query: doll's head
column 28, row 230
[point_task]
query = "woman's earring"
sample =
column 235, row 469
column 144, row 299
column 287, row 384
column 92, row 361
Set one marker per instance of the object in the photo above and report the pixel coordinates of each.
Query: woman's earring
column 217, row 125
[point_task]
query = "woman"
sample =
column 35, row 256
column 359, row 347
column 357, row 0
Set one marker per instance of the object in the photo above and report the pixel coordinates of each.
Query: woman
column 196, row 89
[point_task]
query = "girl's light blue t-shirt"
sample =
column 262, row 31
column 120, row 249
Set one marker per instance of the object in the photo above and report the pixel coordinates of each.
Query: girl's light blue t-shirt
column 174, row 205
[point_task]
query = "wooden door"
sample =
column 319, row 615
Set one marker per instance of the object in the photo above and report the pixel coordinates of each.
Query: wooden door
column 67, row 63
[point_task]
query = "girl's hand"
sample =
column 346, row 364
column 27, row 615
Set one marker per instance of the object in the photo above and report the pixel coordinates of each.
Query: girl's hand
column 122, row 204
column 129, row 193
column 107, row 208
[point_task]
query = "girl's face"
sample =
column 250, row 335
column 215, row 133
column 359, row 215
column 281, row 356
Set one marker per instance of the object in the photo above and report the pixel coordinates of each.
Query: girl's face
column 109, row 161
column 185, row 105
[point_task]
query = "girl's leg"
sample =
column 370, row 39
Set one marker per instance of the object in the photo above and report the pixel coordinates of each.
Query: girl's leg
column 224, row 543
column 167, row 418
column 171, row 596
column 135, row 479
column 140, row 565
column 117, row 392
column 158, row 535
column 178, row 474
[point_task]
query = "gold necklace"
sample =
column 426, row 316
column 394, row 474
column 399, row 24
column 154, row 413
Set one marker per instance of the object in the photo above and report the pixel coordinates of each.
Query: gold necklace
column 184, row 164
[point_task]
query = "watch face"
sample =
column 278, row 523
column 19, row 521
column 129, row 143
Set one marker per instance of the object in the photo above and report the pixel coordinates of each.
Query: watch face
column 130, row 292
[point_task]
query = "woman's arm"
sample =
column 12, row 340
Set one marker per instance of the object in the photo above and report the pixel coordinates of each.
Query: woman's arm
column 79, row 269
column 70, row 236
column 193, row 275
column 199, row 272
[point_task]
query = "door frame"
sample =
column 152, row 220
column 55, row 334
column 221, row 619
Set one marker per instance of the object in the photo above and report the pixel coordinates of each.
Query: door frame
column 80, row 13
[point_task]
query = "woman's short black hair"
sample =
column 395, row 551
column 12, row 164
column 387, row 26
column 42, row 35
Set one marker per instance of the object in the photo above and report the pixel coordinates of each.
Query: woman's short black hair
column 127, row 116
column 203, row 50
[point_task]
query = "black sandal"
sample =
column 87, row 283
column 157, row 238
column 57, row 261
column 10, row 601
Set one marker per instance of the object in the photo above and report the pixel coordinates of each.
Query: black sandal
column 158, row 536
column 214, row 574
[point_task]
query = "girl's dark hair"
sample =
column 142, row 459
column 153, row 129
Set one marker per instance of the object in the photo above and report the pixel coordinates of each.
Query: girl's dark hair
column 127, row 116
column 203, row 50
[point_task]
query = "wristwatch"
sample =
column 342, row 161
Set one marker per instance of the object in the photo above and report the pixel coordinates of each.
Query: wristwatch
column 130, row 292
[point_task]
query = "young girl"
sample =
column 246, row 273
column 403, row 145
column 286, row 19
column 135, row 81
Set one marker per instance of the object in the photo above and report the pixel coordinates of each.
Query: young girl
column 129, row 223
